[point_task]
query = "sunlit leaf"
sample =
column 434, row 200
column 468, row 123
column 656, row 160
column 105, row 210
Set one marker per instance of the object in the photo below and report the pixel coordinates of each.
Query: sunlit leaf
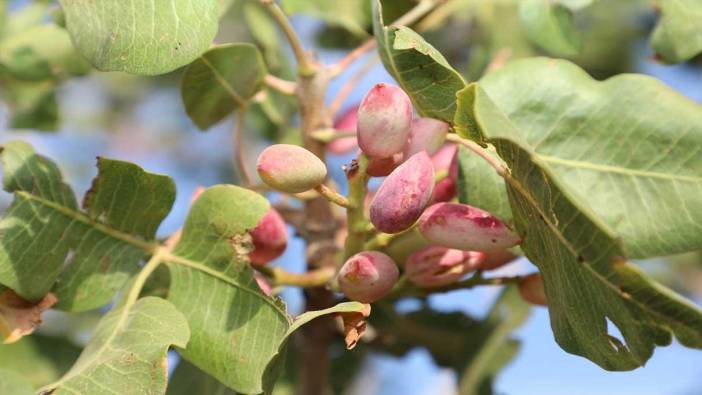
column 678, row 35
column 145, row 37
column 565, row 188
column 127, row 354
column 223, row 79
column 418, row 67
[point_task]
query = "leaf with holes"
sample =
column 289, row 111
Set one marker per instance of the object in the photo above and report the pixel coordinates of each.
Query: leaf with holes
column 238, row 331
column 566, row 185
column 678, row 35
column 223, row 79
column 146, row 37
column 418, row 67
column 127, row 353
column 47, row 243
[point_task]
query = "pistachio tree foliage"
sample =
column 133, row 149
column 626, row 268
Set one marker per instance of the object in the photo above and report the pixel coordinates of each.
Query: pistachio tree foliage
column 512, row 143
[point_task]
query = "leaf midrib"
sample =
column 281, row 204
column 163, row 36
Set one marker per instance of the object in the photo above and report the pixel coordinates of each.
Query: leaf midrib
column 149, row 247
column 578, row 164
column 623, row 295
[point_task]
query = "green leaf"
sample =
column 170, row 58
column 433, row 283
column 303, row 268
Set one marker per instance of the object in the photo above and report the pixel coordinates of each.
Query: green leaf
column 41, row 52
column 626, row 147
column 146, row 37
column 189, row 380
column 13, row 383
column 32, row 104
column 678, row 35
column 39, row 359
column 127, row 354
column 418, row 67
column 46, row 237
column 349, row 14
column 223, row 79
column 236, row 328
column 586, row 277
column 238, row 332
column 476, row 349
column 479, row 185
column 550, row 25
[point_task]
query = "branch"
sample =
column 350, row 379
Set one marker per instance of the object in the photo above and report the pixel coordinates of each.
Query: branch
column 356, row 218
column 409, row 18
column 304, row 64
column 239, row 147
column 283, row 86
column 405, row 288
column 328, row 135
column 310, row 279
column 482, row 152
column 333, row 196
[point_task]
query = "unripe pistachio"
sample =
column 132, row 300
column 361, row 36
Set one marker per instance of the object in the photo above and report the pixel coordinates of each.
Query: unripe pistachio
column 444, row 191
column 434, row 266
column 290, row 168
column 384, row 119
column 368, row 276
column 426, row 134
column 531, row 288
column 403, row 195
column 497, row 259
column 465, row 227
column 270, row 238
column 381, row 167
column 346, row 122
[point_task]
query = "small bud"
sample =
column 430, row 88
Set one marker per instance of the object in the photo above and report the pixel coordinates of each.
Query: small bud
column 381, row 167
column 403, row 195
column 497, row 259
column 531, row 288
column 346, row 122
column 434, row 266
column 368, row 276
column 269, row 238
column 289, row 168
column 426, row 134
column 384, row 119
column 466, row 228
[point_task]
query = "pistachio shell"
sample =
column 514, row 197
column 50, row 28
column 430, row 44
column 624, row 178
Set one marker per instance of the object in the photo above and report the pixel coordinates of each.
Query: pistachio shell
column 290, row 168
column 384, row 119
column 368, row 276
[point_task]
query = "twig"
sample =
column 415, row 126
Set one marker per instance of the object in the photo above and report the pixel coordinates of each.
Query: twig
column 332, row 196
column 283, row 86
column 239, row 147
column 328, row 135
column 312, row 278
column 356, row 218
column 480, row 151
column 409, row 18
column 304, row 64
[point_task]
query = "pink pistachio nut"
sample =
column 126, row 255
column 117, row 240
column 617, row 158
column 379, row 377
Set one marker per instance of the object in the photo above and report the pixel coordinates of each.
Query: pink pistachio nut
column 466, row 228
column 368, row 276
column 403, row 195
column 290, row 168
column 434, row 266
column 384, row 120
column 497, row 259
column 445, row 159
column 426, row 134
column 270, row 238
